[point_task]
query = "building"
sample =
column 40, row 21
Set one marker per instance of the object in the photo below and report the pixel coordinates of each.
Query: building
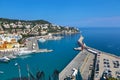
column 8, row 41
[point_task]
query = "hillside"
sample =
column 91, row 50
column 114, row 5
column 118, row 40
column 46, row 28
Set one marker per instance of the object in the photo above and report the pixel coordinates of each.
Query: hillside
column 32, row 27
column 31, row 21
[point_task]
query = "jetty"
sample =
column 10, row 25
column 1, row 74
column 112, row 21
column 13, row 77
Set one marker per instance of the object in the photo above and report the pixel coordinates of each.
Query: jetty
column 81, row 62
column 93, row 64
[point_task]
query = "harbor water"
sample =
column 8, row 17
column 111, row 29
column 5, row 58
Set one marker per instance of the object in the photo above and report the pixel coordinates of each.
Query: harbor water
column 105, row 39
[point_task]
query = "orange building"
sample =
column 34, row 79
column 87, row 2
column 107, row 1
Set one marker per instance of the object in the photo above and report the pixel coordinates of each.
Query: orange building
column 8, row 45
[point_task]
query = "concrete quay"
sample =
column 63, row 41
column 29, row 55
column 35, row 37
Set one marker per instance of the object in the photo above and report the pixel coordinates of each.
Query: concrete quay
column 80, row 62
column 30, row 48
column 87, row 67
column 92, row 64
column 107, row 65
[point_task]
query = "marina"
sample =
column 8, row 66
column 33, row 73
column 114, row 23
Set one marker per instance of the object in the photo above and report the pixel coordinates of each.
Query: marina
column 63, row 60
column 59, row 39
column 31, row 47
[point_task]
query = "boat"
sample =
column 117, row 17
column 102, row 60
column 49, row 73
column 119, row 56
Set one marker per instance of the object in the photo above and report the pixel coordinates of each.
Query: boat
column 16, row 64
column 1, row 72
column 79, row 48
column 4, row 59
column 45, row 50
column 11, row 57
column 41, row 40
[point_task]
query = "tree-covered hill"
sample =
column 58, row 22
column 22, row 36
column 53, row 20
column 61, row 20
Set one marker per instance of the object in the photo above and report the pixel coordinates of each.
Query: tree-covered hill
column 31, row 21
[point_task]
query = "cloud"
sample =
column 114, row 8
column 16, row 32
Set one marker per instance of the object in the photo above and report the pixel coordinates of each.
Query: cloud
column 101, row 22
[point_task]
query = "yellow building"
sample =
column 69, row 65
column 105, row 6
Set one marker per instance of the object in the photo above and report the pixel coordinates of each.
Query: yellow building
column 8, row 45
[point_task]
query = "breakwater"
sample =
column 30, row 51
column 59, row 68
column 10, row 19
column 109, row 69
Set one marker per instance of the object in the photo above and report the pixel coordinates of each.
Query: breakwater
column 90, row 62
column 79, row 63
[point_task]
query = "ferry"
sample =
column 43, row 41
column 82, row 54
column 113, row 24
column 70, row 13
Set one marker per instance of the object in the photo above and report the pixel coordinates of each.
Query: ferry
column 4, row 59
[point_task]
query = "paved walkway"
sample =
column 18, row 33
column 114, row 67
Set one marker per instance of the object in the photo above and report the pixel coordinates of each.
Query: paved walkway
column 75, row 63
column 85, row 69
column 83, row 61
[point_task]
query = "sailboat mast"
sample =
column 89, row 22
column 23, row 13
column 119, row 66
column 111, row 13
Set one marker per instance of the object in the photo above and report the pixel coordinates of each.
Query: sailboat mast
column 19, row 72
column 28, row 72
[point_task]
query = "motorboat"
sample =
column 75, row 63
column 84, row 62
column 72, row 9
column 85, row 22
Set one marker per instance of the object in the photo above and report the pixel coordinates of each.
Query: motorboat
column 4, row 59
column 1, row 72
column 41, row 40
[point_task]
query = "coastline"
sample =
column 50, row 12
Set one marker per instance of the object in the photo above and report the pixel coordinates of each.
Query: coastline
column 83, row 64
column 31, row 47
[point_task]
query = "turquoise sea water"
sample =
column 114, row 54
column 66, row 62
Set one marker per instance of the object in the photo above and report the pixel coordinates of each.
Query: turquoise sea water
column 105, row 39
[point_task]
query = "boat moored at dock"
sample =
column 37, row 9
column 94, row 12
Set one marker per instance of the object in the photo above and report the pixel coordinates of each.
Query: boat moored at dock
column 4, row 59
column 42, row 40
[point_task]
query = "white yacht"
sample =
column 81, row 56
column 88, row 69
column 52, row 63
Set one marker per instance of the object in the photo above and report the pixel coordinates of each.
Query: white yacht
column 42, row 40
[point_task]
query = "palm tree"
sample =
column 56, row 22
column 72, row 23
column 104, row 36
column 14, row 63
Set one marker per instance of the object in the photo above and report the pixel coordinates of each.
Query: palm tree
column 42, row 76
column 55, row 75
column 112, row 78
column 49, row 78
column 78, row 76
column 38, row 75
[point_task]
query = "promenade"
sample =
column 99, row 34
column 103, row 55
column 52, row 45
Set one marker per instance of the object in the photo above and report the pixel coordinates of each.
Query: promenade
column 79, row 62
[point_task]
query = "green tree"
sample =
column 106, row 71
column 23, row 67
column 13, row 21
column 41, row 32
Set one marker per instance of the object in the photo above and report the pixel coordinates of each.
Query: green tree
column 112, row 78
column 78, row 76
column 40, row 75
column 49, row 78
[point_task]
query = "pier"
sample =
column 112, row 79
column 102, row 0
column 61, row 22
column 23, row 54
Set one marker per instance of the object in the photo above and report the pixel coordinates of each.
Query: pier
column 81, row 62
column 92, row 64
column 31, row 47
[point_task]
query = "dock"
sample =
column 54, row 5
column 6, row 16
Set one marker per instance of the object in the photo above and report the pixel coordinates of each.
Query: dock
column 31, row 47
column 92, row 64
column 80, row 62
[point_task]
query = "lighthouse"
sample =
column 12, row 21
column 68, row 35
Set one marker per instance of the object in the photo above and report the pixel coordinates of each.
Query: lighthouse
column 81, row 43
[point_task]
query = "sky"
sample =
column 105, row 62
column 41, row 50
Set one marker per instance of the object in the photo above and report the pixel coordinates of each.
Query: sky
column 76, row 13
